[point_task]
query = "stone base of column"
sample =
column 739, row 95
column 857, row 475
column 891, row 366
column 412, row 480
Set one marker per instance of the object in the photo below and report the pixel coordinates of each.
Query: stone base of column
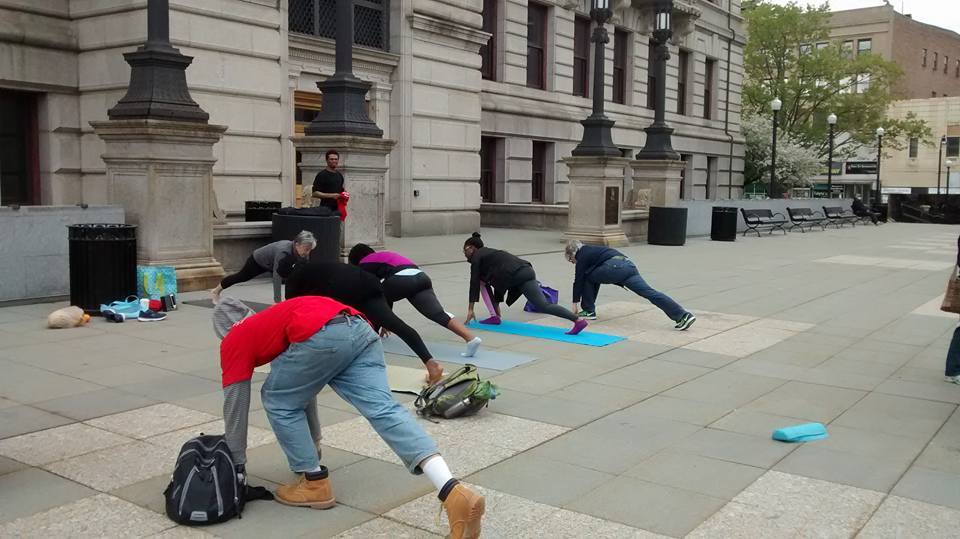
column 596, row 185
column 363, row 162
column 661, row 176
column 161, row 172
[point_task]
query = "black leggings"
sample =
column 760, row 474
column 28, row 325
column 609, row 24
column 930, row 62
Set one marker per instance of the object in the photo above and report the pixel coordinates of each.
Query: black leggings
column 250, row 270
column 378, row 311
column 418, row 290
column 531, row 290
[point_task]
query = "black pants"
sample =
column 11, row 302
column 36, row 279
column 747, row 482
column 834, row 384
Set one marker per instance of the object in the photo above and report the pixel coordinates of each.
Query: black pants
column 378, row 311
column 524, row 282
column 249, row 270
column 418, row 290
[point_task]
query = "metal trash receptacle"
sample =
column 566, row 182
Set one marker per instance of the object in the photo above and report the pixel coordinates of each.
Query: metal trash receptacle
column 326, row 228
column 260, row 210
column 723, row 224
column 667, row 226
column 103, row 264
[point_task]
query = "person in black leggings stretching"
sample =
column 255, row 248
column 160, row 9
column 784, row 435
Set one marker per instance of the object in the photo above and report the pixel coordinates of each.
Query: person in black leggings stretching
column 509, row 276
column 359, row 289
column 402, row 279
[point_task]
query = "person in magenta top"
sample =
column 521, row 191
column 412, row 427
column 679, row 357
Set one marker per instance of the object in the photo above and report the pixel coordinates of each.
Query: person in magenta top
column 403, row 279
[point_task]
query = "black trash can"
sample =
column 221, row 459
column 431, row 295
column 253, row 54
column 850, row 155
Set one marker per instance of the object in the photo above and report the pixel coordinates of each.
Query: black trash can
column 260, row 210
column 723, row 224
column 667, row 226
column 326, row 228
column 103, row 264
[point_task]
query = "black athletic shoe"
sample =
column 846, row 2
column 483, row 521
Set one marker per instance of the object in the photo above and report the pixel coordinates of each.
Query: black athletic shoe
column 685, row 321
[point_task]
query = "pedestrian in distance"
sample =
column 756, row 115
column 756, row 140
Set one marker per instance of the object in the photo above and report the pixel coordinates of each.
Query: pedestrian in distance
column 597, row 265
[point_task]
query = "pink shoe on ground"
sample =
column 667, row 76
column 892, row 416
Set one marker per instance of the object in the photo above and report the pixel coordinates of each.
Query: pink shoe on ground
column 493, row 320
column 578, row 326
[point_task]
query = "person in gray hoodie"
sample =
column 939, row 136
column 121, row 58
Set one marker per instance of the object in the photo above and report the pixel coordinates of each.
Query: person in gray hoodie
column 270, row 258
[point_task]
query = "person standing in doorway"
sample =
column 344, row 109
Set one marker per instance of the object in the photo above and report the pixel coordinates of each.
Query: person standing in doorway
column 328, row 185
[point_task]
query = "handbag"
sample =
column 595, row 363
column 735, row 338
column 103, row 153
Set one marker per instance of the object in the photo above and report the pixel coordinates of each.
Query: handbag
column 551, row 295
column 951, row 299
column 155, row 282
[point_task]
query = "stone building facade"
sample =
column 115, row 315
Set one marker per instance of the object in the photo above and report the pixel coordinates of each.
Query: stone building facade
column 477, row 129
column 915, row 167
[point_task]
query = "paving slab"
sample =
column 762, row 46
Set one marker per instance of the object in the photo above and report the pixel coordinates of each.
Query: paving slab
column 115, row 467
column 93, row 404
column 540, row 479
column 51, row 445
column 687, row 411
column 717, row 478
column 375, row 486
column 734, row 447
column 382, row 528
column 784, row 505
column 15, row 420
column 31, row 490
column 858, row 470
column 901, row 416
column 931, row 486
column 96, row 516
column 809, row 401
column 725, row 388
column 151, row 420
column 903, row 517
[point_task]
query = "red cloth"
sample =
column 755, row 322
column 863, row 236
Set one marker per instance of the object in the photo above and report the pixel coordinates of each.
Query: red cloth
column 342, row 205
column 259, row 339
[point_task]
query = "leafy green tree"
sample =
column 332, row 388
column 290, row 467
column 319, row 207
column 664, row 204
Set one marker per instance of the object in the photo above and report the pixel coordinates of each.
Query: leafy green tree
column 789, row 55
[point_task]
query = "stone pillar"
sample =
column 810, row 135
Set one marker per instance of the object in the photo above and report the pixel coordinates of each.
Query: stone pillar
column 363, row 162
column 661, row 177
column 595, row 200
column 161, row 172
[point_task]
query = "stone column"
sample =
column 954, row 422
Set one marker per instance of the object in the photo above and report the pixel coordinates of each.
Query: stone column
column 595, row 200
column 161, row 172
column 661, row 177
column 363, row 162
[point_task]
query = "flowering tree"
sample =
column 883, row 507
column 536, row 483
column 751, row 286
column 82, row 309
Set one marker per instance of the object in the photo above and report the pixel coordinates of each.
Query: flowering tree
column 796, row 163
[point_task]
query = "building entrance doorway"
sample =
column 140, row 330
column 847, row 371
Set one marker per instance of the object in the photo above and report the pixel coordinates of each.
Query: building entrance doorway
column 19, row 158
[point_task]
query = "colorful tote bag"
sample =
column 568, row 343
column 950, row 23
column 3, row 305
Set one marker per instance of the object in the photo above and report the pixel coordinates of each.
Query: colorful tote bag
column 156, row 281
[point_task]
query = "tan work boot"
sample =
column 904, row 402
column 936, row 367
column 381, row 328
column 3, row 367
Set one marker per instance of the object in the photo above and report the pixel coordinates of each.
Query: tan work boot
column 464, row 511
column 316, row 494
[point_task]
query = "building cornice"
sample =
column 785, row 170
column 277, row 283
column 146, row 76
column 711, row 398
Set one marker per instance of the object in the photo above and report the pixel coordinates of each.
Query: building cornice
column 447, row 29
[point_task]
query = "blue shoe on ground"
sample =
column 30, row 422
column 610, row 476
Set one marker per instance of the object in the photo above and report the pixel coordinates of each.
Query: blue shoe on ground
column 807, row 432
column 151, row 316
column 129, row 308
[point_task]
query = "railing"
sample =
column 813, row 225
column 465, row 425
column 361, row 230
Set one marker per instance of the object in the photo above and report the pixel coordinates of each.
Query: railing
column 319, row 18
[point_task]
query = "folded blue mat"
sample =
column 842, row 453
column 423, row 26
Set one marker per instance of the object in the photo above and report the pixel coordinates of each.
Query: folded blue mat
column 546, row 332
column 807, row 432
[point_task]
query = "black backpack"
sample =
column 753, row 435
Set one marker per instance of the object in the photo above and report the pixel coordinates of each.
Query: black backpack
column 205, row 488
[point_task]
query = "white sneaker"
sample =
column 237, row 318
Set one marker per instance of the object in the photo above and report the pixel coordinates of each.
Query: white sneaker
column 952, row 379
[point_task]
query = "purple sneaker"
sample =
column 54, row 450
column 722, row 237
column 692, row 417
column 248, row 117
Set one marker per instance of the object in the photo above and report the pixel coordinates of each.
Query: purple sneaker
column 493, row 320
column 578, row 326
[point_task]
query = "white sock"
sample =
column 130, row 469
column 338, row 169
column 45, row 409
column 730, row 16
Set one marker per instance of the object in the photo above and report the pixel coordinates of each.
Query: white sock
column 472, row 347
column 435, row 468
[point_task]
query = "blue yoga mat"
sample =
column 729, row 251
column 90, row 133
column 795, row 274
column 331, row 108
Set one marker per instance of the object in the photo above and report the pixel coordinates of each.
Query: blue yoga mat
column 546, row 332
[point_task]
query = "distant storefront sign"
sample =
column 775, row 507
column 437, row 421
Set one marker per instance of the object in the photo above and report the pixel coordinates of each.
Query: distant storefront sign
column 837, row 168
column 895, row 190
column 861, row 167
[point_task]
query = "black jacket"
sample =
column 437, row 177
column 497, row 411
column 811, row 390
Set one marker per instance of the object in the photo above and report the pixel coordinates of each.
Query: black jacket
column 589, row 257
column 499, row 269
column 347, row 284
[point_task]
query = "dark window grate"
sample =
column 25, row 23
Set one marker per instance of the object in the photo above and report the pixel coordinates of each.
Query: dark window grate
column 319, row 18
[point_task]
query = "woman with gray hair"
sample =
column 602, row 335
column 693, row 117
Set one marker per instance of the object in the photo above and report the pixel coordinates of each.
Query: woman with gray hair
column 278, row 258
column 596, row 265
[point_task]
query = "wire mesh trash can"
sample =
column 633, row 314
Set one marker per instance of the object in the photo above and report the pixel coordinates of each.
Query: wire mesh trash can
column 326, row 228
column 103, row 264
column 723, row 224
column 259, row 210
column 667, row 226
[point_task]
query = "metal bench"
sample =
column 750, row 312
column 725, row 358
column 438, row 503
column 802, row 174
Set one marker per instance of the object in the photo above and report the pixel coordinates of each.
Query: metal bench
column 757, row 219
column 806, row 216
column 839, row 216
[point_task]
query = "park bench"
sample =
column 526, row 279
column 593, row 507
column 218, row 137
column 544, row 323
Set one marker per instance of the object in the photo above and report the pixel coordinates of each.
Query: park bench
column 839, row 216
column 757, row 219
column 806, row 216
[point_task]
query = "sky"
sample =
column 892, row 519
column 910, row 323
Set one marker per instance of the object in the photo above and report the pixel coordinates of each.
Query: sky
column 942, row 13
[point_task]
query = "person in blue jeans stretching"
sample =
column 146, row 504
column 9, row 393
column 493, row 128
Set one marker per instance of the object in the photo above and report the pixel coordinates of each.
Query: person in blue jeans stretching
column 602, row 265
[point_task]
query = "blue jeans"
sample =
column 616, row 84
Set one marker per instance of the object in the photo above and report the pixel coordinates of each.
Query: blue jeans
column 623, row 273
column 953, row 355
column 349, row 357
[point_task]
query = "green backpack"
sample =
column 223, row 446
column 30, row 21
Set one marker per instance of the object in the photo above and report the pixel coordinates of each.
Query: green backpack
column 459, row 394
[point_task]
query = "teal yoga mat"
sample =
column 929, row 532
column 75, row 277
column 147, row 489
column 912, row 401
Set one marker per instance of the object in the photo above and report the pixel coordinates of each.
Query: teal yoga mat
column 545, row 332
column 486, row 358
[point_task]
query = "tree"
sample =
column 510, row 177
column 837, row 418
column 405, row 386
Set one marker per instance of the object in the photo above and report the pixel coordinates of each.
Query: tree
column 789, row 56
column 796, row 164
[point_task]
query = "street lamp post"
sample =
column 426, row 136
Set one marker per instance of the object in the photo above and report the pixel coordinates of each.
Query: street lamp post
column 344, row 109
column 949, row 164
column 597, row 137
column 832, row 122
column 658, row 144
column 880, row 132
column 776, row 104
column 943, row 142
